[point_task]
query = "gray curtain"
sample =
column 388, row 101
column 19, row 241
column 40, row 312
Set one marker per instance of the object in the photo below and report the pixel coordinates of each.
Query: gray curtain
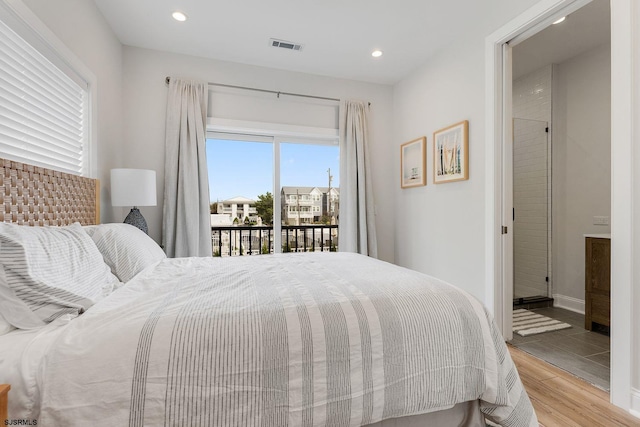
column 186, row 226
column 357, row 228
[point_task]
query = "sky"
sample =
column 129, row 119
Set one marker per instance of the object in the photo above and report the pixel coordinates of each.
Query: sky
column 239, row 168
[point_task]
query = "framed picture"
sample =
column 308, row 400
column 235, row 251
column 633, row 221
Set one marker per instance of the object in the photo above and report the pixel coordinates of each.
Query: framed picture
column 413, row 163
column 451, row 153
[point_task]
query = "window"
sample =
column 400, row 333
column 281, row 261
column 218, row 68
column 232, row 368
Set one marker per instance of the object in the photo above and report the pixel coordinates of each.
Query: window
column 44, row 103
column 238, row 167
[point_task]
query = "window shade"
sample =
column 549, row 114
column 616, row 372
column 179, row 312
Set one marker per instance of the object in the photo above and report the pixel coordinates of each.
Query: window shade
column 42, row 110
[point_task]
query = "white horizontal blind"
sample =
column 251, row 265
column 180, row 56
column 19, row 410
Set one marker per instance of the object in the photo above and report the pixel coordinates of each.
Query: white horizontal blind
column 43, row 112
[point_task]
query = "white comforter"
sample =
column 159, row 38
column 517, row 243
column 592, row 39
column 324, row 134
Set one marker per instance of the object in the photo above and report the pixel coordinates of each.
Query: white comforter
column 294, row 339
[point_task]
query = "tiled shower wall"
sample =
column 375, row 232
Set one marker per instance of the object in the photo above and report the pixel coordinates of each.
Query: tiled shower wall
column 532, row 183
column 532, row 95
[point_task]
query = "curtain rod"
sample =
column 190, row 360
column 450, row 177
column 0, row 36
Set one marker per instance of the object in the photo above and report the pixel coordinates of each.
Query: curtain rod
column 266, row 91
column 168, row 79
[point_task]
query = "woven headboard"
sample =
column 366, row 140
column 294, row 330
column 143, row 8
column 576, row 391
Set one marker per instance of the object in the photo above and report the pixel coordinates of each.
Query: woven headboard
column 33, row 195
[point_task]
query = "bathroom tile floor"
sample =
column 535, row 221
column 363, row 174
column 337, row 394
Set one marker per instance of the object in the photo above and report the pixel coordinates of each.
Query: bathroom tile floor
column 580, row 352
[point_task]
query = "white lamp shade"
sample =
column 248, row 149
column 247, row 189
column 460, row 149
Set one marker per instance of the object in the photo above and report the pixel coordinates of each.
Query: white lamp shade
column 133, row 187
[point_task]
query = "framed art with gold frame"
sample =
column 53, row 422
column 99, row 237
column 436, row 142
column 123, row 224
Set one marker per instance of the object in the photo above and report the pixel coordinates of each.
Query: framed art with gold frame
column 451, row 153
column 413, row 163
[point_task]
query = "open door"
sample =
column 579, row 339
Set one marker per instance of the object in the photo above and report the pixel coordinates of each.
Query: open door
column 507, row 193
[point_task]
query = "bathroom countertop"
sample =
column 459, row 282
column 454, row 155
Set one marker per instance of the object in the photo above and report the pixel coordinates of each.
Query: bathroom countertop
column 599, row 236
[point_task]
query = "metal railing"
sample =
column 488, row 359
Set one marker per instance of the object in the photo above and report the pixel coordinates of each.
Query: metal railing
column 256, row 240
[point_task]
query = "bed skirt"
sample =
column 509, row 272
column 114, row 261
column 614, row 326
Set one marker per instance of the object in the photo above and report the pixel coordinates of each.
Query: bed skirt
column 465, row 414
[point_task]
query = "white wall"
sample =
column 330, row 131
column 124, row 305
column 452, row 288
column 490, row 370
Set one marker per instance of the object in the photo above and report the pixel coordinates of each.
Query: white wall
column 440, row 228
column 82, row 28
column 581, row 163
column 144, row 107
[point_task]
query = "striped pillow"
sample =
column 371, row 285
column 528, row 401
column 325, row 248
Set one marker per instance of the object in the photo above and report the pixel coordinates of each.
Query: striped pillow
column 50, row 271
column 125, row 248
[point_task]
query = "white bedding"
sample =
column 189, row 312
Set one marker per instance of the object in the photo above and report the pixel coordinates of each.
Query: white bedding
column 291, row 339
column 21, row 356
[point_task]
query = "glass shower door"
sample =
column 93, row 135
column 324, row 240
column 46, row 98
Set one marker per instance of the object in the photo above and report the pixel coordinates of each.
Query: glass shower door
column 531, row 201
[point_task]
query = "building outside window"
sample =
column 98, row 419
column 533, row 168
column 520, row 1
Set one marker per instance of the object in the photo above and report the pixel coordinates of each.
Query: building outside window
column 308, row 205
column 249, row 217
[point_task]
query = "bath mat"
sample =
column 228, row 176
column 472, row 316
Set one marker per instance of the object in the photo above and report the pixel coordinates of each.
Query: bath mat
column 527, row 323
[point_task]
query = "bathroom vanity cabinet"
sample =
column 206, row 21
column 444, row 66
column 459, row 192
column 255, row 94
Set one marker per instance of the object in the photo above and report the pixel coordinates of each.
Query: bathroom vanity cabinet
column 597, row 280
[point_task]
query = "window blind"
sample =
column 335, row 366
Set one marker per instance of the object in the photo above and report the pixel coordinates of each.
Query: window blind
column 42, row 110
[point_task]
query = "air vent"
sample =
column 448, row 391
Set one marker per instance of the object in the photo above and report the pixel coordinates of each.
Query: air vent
column 282, row 44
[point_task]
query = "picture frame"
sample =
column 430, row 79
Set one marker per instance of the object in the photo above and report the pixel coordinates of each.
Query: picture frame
column 413, row 163
column 451, row 153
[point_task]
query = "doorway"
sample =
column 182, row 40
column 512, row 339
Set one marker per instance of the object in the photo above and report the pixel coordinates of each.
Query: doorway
column 568, row 92
column 623, row 134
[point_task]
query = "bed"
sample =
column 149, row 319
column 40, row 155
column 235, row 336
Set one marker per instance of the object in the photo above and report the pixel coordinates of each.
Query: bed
column 308, row 339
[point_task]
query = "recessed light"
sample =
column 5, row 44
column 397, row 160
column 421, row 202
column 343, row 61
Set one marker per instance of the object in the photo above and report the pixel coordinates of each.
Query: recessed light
column 560, row 20
column 376, row 53
column 179, row 16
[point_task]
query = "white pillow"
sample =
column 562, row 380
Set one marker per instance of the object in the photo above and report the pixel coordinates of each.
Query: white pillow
column 125, row 248
column 52, row 271
column 5, row 327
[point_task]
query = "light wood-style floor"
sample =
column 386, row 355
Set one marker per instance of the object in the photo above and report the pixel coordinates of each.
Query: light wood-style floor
column 562, row 400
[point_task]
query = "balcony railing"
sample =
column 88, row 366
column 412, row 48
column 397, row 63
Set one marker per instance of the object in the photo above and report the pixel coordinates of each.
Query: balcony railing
column 257, row 240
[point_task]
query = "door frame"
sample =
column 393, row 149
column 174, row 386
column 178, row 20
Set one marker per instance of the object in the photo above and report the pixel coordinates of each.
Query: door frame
column 623, row 129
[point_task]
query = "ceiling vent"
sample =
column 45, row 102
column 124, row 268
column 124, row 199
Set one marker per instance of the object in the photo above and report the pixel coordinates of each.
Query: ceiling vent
column 282, row 44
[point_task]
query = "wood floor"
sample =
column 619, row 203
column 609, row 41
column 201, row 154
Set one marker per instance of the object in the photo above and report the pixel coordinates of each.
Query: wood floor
column 562, row 400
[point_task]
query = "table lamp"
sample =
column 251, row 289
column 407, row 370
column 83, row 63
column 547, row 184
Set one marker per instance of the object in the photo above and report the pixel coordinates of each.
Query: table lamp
column 133, row 187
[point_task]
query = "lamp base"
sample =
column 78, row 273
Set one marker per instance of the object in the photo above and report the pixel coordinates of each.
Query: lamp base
column 136, row 219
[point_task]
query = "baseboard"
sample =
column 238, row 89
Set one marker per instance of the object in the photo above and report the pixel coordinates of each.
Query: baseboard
column 635, row 402
column 568, row 303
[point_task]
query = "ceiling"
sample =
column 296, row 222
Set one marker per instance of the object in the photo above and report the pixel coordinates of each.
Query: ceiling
column 584, row 29
column 338, row 35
